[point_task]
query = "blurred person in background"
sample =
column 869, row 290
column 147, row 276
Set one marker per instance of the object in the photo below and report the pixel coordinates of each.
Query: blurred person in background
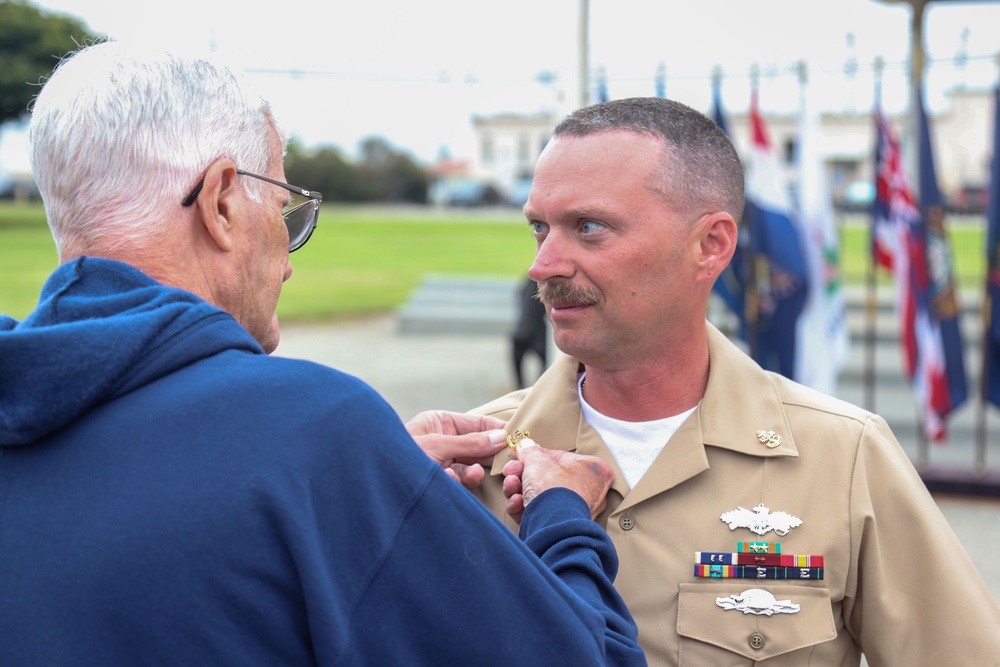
column 530, row 333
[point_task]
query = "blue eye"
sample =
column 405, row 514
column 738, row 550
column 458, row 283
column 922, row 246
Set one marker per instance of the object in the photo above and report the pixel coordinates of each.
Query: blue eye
column 538, row 227
column 590, row 226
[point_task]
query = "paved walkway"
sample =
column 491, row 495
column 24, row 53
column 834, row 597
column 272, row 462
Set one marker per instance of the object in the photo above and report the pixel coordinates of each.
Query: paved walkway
column 459, row 372
column 413, row 372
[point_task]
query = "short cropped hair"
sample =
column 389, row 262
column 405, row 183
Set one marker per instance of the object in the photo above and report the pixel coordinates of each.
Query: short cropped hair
column 119, row 134
column 700, row 168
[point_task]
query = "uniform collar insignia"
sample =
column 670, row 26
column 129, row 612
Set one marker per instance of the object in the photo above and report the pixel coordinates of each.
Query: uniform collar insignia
column 516, row 437
column 769, row 438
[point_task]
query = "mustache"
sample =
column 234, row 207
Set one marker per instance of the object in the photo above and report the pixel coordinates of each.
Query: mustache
column 549, row 293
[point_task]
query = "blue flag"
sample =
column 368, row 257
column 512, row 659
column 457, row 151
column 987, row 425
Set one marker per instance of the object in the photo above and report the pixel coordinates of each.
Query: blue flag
column 940, row 373
column 781, row 274
column 901, row 242
column 991, row 364
column 602, row 86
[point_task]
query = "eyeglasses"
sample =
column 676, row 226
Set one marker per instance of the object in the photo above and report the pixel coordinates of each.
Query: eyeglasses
column 300, row 216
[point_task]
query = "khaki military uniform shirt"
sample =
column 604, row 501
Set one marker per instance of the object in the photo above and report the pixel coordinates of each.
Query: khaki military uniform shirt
column 897, row 583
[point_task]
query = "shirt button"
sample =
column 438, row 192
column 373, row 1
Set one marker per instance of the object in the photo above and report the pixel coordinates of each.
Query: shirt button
column 756, row 641
column 626, row 522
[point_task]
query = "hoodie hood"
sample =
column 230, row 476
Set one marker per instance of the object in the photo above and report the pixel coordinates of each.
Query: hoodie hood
column 102, row 328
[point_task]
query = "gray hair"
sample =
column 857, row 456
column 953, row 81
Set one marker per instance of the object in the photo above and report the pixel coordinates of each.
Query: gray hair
column 119, row 134
column 700, row 167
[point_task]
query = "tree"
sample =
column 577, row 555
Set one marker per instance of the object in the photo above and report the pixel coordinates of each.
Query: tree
column 382, row 173
column 326, row 170
column 396, row 176
column 31, row 43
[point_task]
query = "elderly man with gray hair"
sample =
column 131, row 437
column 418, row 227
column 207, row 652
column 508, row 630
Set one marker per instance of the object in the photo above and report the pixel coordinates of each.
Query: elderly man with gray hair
column 171, row 495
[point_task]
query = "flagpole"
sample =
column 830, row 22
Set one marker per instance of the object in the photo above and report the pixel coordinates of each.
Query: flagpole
column 984, row 348
column 984, row 341
column 916, row 106
column 918, row 119
column 917, row 64
column 871, row 285
column 582, row 54
column 751, row 302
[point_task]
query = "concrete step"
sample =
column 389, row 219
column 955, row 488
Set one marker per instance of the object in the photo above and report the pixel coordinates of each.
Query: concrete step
column 447, row 304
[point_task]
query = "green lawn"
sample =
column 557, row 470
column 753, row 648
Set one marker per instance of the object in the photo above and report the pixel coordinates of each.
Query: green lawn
column 359, row 261
column 968, row 249
column 367, row 260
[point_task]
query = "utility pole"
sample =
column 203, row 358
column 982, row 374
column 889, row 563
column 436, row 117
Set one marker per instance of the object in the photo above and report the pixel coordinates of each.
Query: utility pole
column 917, row 62
column 583, row 55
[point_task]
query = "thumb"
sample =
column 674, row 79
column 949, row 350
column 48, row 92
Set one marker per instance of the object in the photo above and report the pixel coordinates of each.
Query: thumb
column 527, row 448
column 471, row 447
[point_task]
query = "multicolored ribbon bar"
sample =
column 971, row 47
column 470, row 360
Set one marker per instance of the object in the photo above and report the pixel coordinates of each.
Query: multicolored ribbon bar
column 782, row 560
column 758, row 547
column 716, row 558
column 719, row 571
column 776, row 560
column 753, row 572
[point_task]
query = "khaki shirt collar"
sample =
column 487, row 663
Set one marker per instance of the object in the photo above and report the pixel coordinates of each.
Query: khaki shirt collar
column 740, row 400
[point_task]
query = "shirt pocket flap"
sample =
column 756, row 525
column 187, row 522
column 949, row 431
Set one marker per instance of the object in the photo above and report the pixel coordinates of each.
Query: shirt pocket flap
column 755, row 636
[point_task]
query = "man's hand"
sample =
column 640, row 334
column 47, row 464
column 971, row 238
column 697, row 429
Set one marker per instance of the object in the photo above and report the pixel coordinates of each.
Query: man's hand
column 537, row 469
column 460, row 442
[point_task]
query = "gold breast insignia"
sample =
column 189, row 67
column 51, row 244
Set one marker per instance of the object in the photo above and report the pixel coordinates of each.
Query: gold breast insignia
column 517, row 436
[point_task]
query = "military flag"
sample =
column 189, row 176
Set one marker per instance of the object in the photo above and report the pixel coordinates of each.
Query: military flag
column 602, row 86
column 780, row 270
column 949, row 390
column 822, row 330
column 661, row 81
column 909, row 237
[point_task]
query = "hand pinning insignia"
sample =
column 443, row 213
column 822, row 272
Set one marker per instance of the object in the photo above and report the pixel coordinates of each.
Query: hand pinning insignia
column 757, row 601
column 761, row 520
column 769, row 438
column 516, row 437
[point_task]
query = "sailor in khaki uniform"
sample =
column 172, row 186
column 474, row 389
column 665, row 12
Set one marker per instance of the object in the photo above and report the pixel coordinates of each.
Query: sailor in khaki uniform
column 756, row 521
column 896, row 582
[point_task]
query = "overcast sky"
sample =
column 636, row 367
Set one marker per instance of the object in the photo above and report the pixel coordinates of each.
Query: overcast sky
column 415, row 72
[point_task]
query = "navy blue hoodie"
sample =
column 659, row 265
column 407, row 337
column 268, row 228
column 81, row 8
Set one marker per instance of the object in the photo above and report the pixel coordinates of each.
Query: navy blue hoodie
column 170, row 495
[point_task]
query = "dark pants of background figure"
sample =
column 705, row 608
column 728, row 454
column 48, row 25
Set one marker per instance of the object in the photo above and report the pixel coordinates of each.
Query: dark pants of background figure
column 530, row 334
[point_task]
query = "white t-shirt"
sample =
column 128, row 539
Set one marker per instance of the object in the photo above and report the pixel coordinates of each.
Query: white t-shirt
column 633, row 444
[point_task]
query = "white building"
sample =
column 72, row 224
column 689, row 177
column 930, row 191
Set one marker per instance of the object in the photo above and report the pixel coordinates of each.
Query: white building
column 508, row 145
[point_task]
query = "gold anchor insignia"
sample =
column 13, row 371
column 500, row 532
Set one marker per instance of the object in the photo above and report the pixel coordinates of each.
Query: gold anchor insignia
column 769, row 438
column 516, row 437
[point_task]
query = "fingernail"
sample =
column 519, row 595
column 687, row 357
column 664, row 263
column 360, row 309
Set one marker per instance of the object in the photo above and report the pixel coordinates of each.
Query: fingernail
column 527, row 442
column 497, row 436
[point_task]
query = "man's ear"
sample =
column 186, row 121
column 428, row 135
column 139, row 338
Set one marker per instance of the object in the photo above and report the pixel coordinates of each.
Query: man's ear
column 718, row 234
column 217, row 203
